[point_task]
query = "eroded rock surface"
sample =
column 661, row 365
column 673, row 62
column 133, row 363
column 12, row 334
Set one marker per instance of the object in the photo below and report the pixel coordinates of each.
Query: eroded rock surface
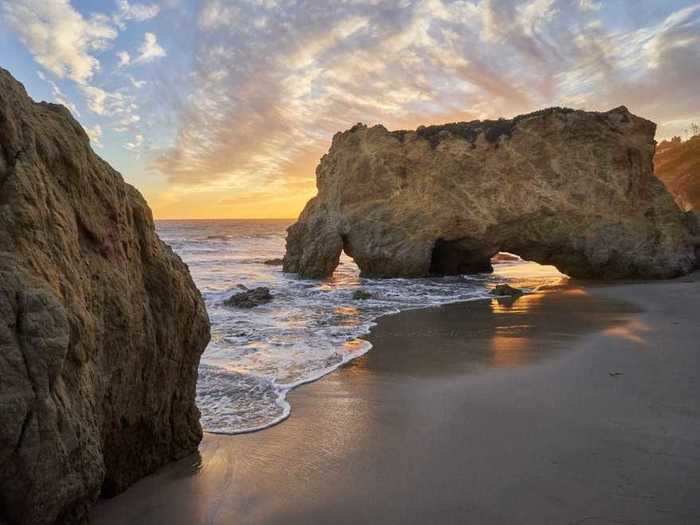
column 250, row 298
column 101, row 326
column 570, row 188
column 506, row 290
column 677, row 164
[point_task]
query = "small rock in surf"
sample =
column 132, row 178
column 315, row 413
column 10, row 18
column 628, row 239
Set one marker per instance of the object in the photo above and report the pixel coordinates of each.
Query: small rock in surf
column 506, row 290
column 250, row 298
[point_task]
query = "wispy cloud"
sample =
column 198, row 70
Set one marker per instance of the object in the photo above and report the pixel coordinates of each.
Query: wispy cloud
column 59, row 96
column 136, row 12
column 262, row 85
column 273, row 81
column 95, row 134
column 150, row 50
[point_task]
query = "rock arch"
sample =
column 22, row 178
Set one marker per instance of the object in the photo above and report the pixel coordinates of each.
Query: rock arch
column 569, row 188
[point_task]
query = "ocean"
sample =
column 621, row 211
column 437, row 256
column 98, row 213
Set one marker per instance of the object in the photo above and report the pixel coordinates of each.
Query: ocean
column 310, row 328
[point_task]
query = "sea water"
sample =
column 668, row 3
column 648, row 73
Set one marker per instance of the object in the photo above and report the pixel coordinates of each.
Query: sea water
column 309, row 329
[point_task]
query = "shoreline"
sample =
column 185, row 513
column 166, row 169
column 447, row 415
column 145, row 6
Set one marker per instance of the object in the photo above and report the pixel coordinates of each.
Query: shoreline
column 409, row 434
column 524, row 274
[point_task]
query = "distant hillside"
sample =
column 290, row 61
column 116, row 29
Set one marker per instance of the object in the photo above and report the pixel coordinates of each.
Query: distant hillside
column 677, row 164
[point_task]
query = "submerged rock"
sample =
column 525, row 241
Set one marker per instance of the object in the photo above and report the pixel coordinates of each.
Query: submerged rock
column 361, row 295
column 250, row 298
column 570, row 188
column 101, row 326
column 506, row 290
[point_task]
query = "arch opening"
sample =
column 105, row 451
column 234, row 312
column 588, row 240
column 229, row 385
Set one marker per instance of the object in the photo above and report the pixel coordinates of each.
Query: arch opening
column 459, row 256
column 346, row 268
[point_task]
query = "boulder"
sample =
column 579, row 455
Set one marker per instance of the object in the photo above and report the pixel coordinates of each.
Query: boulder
column 574, row 189
column 250, row 298
column 361, row 295
column 506, row 290
column 101, row 326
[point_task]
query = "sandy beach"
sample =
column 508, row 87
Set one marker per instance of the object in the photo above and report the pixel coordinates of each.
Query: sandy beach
column 573, row 406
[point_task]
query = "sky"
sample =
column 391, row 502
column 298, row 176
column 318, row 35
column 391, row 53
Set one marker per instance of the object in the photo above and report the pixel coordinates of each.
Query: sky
column 222, row 109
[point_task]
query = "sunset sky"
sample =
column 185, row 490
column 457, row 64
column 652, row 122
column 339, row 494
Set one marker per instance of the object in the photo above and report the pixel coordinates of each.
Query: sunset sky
column 218, row 109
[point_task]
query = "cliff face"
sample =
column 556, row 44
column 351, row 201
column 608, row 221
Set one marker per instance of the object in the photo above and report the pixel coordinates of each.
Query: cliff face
column 101, row 326
column 677, row 164
column 570, row 188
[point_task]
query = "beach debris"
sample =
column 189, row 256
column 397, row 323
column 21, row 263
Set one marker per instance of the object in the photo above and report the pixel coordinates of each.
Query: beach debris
column 274, row 262
column 361, row 295
column 250, row 298
column 506, row 290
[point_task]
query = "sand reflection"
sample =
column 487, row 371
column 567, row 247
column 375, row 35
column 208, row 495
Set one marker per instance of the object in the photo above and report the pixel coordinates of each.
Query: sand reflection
column 633, row 331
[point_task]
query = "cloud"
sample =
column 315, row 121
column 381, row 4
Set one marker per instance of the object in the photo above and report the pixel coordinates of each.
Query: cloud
column 95, row 134
column 136, row 12
column 332, row 68
column 59, row 37
column 59, row 96
column 273, row 81
column 124, row 58
column 136, row 83
column 150, row 50
column 135, row 144
column 589, row 5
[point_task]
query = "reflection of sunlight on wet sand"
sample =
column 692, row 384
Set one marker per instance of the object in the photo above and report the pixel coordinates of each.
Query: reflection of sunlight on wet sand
column 510, row 351
column 354, row 346
column 512, row 343
column 631, row 331
column 515, row 305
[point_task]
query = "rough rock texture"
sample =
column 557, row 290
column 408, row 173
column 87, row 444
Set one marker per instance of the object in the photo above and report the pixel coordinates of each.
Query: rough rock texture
column 506, row 290
column 101, row 326
column 677, row 164
column 250, row 298
column 570, row 188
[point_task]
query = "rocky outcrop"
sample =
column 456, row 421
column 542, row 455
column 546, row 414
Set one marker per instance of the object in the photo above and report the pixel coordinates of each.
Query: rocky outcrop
column 570, row 188
column 250, row 298
column 677, row 164
column 506, row 290
column 101, row 326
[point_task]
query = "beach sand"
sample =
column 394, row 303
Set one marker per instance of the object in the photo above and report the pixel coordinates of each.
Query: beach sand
column 575, row 406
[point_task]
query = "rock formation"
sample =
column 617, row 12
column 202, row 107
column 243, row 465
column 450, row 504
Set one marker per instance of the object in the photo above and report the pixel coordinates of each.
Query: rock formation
column 506, row 290
column 677, row 164
column 570, row 188
column 250, row 298
column 101, row 326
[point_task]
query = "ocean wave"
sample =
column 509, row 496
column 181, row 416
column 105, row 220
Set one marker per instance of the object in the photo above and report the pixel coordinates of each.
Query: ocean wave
column 311, row 328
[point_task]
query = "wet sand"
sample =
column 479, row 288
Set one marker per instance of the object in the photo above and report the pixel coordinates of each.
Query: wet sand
column 578, row 406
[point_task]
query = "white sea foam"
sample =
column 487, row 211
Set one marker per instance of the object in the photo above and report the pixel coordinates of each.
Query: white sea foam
column 310, row 328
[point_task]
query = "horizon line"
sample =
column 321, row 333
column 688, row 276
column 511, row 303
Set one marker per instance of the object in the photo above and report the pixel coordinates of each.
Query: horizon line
column 229, row 219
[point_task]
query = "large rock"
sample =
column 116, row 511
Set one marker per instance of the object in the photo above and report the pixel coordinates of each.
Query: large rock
column 677, row 164
column 570, row 188
column 101, row 326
